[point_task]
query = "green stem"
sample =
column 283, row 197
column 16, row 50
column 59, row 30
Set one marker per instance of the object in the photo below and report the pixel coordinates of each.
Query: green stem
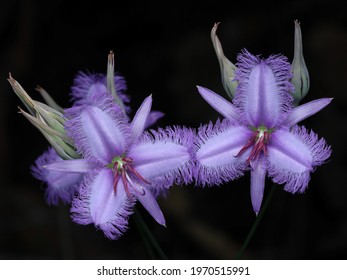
column 148, row 238
column 256, row 223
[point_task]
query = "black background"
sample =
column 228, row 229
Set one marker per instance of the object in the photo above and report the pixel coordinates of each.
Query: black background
column 165, row 50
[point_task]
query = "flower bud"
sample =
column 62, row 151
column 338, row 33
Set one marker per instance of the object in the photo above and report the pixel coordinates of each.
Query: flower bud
column 22, row 95
column 110, row 80
column 301, row 79
column 49, row 121
column 226, row 67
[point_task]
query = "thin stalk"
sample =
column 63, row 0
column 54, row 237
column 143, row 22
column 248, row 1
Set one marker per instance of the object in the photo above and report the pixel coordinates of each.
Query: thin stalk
column 256, row 223
column 149, row 240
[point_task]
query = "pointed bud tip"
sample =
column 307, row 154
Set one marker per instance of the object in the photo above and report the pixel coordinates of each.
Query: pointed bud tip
column 215, row 26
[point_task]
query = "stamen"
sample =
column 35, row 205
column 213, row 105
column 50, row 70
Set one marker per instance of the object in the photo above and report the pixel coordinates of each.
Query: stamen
column 122, row 167
column 258, row 140
column 139, row 189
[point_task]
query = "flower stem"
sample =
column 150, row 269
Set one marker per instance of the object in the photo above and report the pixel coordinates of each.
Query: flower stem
column 148, row 238
column 256, row 223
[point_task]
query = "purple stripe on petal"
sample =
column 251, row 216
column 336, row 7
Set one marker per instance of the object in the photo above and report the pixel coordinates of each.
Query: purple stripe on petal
column 71, row 166
column 216, row 156
column 292, row 155
column 221, row 105
column 98, row 204
column 258, row 171
column 306, row 110
column 264, row 89
column 100, row 131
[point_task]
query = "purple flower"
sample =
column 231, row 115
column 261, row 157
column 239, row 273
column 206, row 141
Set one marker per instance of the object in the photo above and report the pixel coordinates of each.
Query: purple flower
column 260, row 131
column 121, row 163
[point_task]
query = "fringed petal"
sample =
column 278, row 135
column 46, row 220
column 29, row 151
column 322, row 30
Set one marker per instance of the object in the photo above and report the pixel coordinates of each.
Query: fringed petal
column 258, row 172
column 99, row 204
column 140, row 119
column 217, row 156
column 86, row 85
column 293, row 154
column 264, row 89
column 164, row 156
column 221, row 105
column 61, row 186
column 100, row 131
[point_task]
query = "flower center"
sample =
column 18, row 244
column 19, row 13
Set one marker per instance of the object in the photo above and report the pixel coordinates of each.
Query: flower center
column 258, row 141
column 123, row 169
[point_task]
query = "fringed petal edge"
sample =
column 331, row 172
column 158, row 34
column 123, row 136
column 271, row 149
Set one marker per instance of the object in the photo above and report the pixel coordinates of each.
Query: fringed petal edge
column 208, row 176
column 320, row 152
column 75, row 130
column 179, row 135
column 80, row 210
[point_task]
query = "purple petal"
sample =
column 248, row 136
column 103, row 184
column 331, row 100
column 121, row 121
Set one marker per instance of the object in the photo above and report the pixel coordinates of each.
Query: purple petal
column 221, row 105
column 100, row 131
column 97, row 203
column 151, row 205
column 258, row 171
column 86, row 85
column 163, row 157
column 292, row 155
column 60, row 185
column 263, row 89
column 153, row 117
column 218, row 147
column 139, row 122
column 306, row 110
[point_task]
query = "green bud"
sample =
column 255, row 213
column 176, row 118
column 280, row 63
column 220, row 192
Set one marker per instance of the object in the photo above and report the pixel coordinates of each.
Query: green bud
column 59, row 141
column 301, row 79
column 22, row 95
column 110, row 80
column 48, row 120
column 226, row 67
column 49, row 100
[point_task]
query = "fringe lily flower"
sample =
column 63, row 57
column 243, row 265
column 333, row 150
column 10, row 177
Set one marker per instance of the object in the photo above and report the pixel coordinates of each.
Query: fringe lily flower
column 121, row 163
column 260, row 131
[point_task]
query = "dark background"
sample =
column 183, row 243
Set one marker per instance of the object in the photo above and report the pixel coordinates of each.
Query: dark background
column 166, row 51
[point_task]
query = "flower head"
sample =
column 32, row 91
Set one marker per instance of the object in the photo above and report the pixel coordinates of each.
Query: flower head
column 260, row 131
column 121, row 163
